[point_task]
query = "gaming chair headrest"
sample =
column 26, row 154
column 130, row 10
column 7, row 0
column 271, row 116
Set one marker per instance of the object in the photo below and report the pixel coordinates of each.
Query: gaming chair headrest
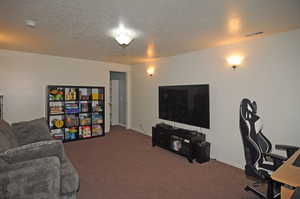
column 248, row 109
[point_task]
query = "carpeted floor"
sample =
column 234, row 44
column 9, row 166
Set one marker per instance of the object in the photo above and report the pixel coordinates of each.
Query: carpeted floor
column 124, row 165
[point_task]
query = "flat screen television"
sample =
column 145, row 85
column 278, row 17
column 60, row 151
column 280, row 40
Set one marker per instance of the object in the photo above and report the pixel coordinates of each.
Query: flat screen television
column 188, row 104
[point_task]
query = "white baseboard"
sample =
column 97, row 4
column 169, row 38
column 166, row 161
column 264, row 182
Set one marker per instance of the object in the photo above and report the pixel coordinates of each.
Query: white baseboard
column 124, row 125
column 119, row 124
column 137, row 130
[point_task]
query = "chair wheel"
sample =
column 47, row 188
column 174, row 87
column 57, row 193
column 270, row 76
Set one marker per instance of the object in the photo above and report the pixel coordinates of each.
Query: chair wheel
column 247, row 188
column 256, row 184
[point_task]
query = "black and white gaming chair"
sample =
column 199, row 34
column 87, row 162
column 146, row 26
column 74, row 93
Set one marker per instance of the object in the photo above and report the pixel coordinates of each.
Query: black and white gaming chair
column 259, row 161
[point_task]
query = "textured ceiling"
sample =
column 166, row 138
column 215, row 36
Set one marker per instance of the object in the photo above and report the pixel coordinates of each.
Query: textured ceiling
column 77, row 28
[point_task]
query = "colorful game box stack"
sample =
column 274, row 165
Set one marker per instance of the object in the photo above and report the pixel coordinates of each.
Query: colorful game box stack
column 70, row 94
column 70, row 133
column 56, row 94
column 85, row 132
column 84, row 107
column 97, row 130
column 84, row 119
column 71, row 108
column 97, row 119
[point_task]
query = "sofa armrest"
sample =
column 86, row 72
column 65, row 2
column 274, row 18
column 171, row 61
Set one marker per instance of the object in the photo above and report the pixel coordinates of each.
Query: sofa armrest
column 39, row 178
column 34, row 151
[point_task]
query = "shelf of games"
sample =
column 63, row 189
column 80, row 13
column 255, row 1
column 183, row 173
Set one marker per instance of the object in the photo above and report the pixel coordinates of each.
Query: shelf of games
column 75, row 112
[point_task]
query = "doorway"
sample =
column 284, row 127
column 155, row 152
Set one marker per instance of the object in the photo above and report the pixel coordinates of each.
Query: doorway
column 118, row 103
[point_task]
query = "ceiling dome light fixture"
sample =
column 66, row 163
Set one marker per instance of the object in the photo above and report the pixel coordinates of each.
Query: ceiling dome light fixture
column 123, row 36
column 30, row 23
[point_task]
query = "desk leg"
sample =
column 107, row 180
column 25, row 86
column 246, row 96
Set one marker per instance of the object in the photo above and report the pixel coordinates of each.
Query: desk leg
column 270, row 192
column 286, row 192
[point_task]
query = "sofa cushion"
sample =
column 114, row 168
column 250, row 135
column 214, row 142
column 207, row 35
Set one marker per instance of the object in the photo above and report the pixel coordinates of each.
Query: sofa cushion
column 31, row 131
column 7, row 137
column 69, row 177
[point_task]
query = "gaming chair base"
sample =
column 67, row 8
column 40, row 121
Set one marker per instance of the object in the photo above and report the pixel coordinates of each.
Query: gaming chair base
column 259, row 194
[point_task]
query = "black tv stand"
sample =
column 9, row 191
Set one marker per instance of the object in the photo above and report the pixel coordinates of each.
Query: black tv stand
column 177, row 140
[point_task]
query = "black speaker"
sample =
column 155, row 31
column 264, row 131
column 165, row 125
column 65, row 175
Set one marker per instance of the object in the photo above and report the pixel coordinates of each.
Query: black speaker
column 202, row 152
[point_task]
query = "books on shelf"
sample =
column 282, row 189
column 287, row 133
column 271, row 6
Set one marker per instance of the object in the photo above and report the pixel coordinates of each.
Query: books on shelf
column 97, row 118
column 85, row 132
column 97, row 94
column 56, row 108
column 70, row 94
column 97, row 130
column 57, row 134
column 84, row 94
column 56, row 121
column 96, row 107
column 56, row 94
column 84, row 107
column 71, row 108
column 70, row 133
column 71, row 121
column 75, row 112
column 85, row 119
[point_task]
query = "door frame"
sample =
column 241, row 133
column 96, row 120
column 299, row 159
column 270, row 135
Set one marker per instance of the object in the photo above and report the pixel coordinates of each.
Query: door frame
column 126, row 97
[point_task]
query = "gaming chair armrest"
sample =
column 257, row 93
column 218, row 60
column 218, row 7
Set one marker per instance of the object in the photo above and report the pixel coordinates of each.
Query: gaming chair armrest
column 275, row 156
column 290, row 150
column 277, row 159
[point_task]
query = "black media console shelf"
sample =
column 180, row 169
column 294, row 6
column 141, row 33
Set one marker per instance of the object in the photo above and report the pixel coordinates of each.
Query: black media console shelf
column 177, row 140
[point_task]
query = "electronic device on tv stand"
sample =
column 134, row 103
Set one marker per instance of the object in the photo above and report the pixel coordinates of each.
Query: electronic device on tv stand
column 180, row 141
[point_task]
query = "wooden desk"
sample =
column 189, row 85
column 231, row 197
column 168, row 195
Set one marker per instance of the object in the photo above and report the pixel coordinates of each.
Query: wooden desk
column 288, row 174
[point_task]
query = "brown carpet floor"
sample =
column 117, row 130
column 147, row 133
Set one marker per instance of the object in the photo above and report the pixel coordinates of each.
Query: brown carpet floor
column 124, row 165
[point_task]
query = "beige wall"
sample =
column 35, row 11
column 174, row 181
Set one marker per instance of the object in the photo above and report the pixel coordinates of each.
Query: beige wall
column 24, row 77
column 270, row 74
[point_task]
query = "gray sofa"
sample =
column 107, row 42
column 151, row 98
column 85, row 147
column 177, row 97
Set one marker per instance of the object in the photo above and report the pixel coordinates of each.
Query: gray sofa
column 33, row 165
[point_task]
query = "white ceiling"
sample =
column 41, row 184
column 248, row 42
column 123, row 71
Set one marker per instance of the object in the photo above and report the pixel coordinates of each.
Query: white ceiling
column 79, row 28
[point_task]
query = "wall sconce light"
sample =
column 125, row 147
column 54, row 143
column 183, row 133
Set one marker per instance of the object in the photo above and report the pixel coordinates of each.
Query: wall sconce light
column 235, row 61
column 150, row 71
